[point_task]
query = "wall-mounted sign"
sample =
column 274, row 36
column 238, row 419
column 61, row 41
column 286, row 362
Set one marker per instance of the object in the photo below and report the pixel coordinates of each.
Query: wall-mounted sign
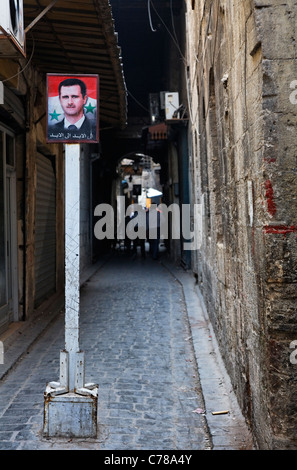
column 72, row 108
column 12, row 23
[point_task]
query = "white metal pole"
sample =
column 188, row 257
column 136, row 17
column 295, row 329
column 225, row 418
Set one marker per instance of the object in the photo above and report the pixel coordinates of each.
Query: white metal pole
column 72, row 259
column 70, row 405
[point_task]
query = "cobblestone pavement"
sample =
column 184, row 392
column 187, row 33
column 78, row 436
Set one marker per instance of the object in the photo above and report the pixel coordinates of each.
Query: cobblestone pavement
column 138, row 348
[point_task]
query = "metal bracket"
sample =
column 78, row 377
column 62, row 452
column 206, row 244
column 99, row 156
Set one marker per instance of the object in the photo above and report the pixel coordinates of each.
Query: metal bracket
column 40, row 15
column 54, row 388
column 88, row 389
column 62, row 387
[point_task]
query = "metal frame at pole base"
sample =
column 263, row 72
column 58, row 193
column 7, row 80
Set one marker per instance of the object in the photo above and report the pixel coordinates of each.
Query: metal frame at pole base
column 70, row 407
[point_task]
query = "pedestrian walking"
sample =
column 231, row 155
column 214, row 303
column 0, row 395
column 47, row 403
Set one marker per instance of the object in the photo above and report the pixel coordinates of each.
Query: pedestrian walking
column 140, row 230
column 153, row 227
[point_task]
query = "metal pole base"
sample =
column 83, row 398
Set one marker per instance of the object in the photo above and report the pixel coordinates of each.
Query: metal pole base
column 70, row 407
column 70, row 415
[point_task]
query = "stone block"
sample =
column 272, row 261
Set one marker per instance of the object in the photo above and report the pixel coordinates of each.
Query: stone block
column 70, row 415
column 278, row 18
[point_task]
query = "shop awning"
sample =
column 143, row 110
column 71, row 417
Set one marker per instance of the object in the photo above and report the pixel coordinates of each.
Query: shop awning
column 78, row 37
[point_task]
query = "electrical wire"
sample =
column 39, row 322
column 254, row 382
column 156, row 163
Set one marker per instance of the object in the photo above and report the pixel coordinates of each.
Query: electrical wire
column 149, row 15
column 172, row 21
column 24, row 68
column 174, row 38
column 136, row 101
column 169, row 32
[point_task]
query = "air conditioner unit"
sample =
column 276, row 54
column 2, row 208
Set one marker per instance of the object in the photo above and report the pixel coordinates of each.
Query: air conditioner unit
column 12, row 35
column 171, row 105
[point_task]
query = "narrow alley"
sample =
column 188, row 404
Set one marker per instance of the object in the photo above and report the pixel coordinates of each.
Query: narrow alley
column 139, row 344
column 164, row 120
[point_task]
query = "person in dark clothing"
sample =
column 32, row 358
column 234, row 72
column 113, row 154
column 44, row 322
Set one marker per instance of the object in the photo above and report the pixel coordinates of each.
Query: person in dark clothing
column 141, row 229
column 86, row 127
column 153, row 226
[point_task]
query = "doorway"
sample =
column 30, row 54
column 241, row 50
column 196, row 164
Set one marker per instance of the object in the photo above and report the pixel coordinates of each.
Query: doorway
column 8, row 231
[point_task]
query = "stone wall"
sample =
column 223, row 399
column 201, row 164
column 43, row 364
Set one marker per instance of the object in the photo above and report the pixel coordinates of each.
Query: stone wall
column 243, row 172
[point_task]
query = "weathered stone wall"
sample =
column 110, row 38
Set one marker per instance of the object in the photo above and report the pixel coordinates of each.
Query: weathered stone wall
column 243, row 171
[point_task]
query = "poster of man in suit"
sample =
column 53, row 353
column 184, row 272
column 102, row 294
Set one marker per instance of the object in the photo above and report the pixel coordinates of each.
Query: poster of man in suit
column 72, row 108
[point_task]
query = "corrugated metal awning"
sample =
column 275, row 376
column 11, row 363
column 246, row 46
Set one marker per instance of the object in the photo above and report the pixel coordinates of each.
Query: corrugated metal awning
column 78, row 37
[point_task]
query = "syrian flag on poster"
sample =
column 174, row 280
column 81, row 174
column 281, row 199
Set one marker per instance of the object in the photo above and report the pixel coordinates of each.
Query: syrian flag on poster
column 55, row 111
column 56, row 114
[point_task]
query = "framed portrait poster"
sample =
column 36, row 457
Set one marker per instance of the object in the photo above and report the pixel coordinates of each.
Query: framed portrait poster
column 72, row 108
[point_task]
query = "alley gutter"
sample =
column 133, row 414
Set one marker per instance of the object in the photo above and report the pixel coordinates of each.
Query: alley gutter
column 229, row 431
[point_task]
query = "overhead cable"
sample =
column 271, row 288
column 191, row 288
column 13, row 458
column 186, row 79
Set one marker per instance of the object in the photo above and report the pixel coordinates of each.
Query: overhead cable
column 149, row 14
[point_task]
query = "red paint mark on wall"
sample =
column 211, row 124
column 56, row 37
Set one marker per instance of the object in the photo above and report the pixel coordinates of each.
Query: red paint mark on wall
column 271, row 207
column 270, row 160
column 280, row 229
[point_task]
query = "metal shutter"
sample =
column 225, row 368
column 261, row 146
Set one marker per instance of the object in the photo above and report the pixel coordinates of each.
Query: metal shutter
column 45, row 230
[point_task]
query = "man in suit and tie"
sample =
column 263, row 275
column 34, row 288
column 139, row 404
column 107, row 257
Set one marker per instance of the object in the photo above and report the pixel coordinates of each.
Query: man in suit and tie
column 73, row 97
